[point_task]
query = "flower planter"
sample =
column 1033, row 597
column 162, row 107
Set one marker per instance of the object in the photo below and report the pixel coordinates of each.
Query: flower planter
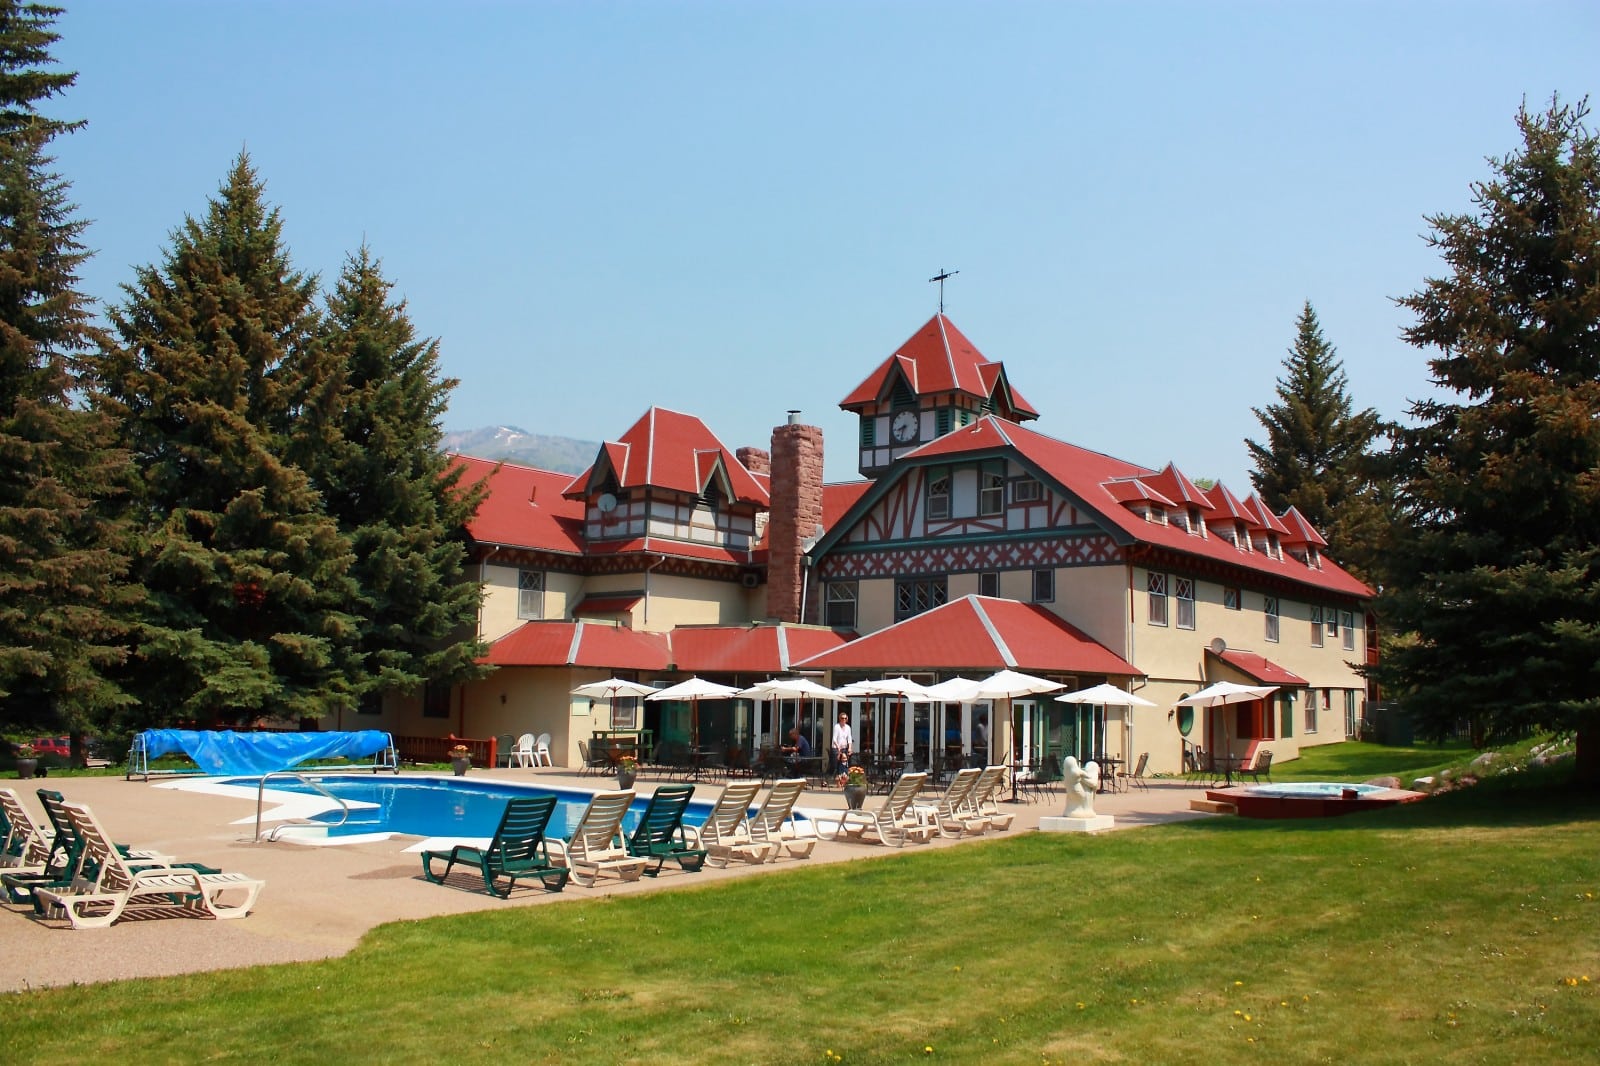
column 855, row 796
column 26, row 767
column 624, row 779
column 460, row 766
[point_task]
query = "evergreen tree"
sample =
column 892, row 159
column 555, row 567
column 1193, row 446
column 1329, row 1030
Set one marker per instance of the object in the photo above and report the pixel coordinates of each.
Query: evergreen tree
column 1317, row 452
column 386, row 480
column 1497, row 582
column 63, row 599
column 248, row 611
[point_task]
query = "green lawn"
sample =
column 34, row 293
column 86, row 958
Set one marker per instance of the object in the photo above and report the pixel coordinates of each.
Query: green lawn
column 1463, row 928
column 1356, row 762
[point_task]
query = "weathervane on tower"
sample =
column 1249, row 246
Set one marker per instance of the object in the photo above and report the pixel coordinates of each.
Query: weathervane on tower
column 940, row 278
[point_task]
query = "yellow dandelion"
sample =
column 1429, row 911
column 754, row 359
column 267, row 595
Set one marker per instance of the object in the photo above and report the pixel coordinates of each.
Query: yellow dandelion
column 1236, row 984
column 927, row 1049
column 1080, row 1006
column 1283, row 1003
column 1238, row 1014
column 1247, row 1017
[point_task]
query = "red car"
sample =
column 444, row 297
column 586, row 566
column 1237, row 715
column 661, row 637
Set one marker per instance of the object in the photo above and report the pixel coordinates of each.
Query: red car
column 61, row 746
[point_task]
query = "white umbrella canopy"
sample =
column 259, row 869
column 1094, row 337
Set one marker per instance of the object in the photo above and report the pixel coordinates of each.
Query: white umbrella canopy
column 695, row 688
column 791, row 688
column 955, row 690
column 1226, row 692
column 889, row 686
column 1106, row 696
column 611, row 688
column 1008, row 683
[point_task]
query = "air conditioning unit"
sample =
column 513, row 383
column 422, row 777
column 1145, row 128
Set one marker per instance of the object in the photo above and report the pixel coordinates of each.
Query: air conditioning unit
column 749, row 579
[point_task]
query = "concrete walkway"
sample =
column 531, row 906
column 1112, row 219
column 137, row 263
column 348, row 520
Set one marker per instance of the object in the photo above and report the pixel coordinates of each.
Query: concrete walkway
column 319, row 901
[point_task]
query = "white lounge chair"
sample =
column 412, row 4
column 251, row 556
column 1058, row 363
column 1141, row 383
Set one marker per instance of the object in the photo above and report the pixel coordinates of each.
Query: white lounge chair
column 26, row 847
column 894, row 822
column 107, row 886
column 983, row 805
column 726, row 833
column 596, row 845
column 776, row 824
column 951, row 814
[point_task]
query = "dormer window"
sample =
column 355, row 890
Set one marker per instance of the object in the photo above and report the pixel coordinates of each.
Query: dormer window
column 939, row 492
column 1313, row 560
column 710, row 499
column 1197, row 523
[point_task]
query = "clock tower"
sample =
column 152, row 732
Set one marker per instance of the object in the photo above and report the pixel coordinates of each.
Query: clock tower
column 935, row 383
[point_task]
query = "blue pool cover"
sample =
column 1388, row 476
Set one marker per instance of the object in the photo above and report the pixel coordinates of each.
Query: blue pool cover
column 227, row 752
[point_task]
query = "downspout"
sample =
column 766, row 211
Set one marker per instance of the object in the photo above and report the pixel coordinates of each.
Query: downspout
column 647, row 571
column 805, row 582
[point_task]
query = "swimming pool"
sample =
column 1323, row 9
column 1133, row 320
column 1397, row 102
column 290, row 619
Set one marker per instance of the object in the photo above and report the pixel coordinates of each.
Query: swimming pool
column 444, row 806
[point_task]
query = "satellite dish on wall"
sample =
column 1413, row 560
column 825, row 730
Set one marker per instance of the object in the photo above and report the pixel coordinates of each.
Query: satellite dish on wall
column 1218, row 645
column 606, row 503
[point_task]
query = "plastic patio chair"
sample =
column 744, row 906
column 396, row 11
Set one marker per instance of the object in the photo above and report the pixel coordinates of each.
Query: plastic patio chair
column 541, row 751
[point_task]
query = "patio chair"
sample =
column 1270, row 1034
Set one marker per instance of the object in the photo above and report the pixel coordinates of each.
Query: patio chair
column 660, row 834
column 65, row 858
column 775, row 822
column 522, row 754
column 26, row 847
column 595, row 845
column 951, row 814
column 1043, row 780
column 1137, row 777
column 984, row 802
column 892, row 823
column 726, row 832
column 541, row 750
column 517, row 850
column 1262, row 765
column 107, row 886
column 503, row 744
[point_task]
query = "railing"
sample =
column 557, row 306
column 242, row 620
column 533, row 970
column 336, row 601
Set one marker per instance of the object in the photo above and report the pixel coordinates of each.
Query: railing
column 484, row 752
column 261, row 789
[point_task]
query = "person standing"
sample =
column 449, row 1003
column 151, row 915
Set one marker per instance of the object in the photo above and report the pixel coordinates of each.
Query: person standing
column 843, row 742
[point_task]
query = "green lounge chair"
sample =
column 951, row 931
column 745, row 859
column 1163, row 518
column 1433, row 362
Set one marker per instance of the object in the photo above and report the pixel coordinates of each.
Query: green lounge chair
column 517, row 850
column 660, row 834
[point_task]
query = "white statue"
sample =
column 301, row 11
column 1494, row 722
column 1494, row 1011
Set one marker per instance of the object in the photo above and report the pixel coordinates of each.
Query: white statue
column 1082, row 784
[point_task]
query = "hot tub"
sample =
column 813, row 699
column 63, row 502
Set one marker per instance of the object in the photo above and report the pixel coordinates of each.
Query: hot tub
column 1310, row 799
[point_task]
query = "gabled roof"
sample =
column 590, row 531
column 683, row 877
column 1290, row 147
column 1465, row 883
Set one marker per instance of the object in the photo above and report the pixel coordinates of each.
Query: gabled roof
column 1102, row 485
column 938, row 358
column 1301, row 531
column 580, row 644
column 524, row 507
column 759, row 649
column 978, row 633
column 1172, row 484
column 1259, row 668
column 669, row 450
column 1263, row 515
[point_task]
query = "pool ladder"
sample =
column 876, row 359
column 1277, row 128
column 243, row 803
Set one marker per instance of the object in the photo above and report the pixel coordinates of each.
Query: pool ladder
column 261, row 788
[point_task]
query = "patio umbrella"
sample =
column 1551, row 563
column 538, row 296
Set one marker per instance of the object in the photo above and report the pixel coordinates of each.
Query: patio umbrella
column 611, row 688
column 956, row 690
column 1224, row 692
column 694, row 690
column 790, row 688
column 1007, row 685
column 1109, row 696
column 903, row 687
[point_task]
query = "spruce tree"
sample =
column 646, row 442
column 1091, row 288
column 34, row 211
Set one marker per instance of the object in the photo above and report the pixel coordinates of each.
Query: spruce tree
column 1496, row 584
column 1317, row 454
column 386, row 480
column 248, row 611
column 64, row 600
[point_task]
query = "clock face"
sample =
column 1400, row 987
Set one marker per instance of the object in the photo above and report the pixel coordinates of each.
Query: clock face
column 904, row 426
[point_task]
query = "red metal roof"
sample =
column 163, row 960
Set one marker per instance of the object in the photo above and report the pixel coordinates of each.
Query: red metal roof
column 761, row 649
column 1100, row 482
column 524, row 507
column 579, row 644
column 1299, row 530
column 1259, row 667
column 669, row 450
column 938, row 358
column 978, row 633
column 678, row 549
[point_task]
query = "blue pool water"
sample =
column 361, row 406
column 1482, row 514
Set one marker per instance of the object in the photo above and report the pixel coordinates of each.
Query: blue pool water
column 1312, row 790
column 449, row 807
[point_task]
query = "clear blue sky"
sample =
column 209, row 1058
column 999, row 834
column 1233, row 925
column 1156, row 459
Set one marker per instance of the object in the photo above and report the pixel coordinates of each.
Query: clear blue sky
column 731, row 209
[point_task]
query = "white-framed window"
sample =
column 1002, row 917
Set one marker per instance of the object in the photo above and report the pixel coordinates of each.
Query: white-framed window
column 939, row 492
column 912, row 596
column 1311, row 710
column 839, row 604
column 1044, row 586
column 1232, row 599
column 1184, row 588
column 1316, row 626
column 1269, row 612
column 530, row 594
column 989, row 583
column 1331, row 617
column 1156, row 585
column 1348, row 619
column 1028, row 490
column 991, row 488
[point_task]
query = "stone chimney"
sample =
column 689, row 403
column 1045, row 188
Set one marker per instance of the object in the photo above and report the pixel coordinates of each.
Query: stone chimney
column 796, row 513
column 754, row 460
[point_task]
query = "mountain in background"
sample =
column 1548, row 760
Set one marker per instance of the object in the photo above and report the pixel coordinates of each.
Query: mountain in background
column 561, row 454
